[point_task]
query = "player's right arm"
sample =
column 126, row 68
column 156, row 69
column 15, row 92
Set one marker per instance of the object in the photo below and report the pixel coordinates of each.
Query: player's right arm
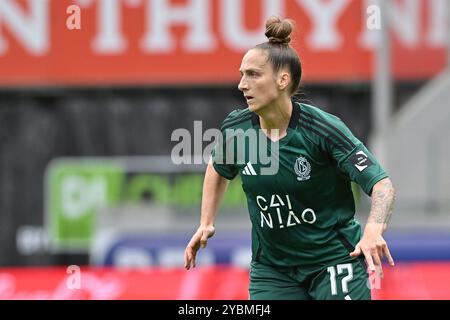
column 214, row 187
column 218, row 174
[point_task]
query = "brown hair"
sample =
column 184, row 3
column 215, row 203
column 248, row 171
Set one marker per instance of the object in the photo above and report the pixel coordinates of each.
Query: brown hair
column 281, row 54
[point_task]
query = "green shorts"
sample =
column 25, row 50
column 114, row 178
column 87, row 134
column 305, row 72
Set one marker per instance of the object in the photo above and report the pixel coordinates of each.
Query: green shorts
column 344, row 281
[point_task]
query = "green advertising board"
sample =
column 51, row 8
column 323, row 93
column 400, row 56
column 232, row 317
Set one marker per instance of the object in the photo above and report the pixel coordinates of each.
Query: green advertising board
column 75, row 192
column 78, row 188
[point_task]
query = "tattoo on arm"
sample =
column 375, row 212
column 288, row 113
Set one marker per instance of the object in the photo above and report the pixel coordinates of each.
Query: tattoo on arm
column 383, row 198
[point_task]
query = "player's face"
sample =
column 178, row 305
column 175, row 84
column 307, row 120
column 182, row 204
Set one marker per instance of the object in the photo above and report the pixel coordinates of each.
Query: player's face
column 258, row 81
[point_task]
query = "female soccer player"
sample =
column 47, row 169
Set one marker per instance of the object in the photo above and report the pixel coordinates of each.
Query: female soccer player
column 306, row 243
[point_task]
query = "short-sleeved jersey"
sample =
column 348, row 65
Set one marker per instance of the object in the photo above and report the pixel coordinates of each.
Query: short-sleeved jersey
column 302, row 214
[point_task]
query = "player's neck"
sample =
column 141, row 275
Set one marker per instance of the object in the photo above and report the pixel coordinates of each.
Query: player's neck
column 276, row 116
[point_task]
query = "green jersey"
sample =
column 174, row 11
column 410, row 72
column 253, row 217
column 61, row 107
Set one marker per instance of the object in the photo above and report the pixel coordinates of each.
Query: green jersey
column 302, row 213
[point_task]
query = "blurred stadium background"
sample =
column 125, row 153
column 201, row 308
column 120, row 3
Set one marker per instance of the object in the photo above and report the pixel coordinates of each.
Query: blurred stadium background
column 87, row 113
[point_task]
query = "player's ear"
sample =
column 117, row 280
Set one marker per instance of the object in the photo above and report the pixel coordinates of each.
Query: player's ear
column 284, row 79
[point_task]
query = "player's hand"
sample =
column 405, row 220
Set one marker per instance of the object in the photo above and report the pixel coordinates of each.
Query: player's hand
column 374, row 248
column 198, row 240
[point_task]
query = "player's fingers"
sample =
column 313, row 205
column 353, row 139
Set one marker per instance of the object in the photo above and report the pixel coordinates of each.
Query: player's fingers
column 194, row 244
column 377, row 262
column 376, row 257
column 356, row 252
column 380, row 271
column 186, row 260
column 388, row 255
column 193, row 258
column 369, row 260
column 204, row 240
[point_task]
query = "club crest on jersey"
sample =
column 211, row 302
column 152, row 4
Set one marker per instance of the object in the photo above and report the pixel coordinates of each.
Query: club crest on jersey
column 302, row 168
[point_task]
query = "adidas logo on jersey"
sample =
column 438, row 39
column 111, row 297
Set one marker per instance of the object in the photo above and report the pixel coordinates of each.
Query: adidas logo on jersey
column 248, row 170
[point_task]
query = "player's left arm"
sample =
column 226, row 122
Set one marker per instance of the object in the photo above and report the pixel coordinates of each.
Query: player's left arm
column 372, row 243
column 359, row 164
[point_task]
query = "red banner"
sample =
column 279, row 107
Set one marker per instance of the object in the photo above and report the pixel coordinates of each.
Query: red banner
column 83, row 283
column 405, row 281
column 101, row 42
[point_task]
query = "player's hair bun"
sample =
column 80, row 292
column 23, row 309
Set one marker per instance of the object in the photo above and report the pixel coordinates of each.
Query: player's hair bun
column 278, row 31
